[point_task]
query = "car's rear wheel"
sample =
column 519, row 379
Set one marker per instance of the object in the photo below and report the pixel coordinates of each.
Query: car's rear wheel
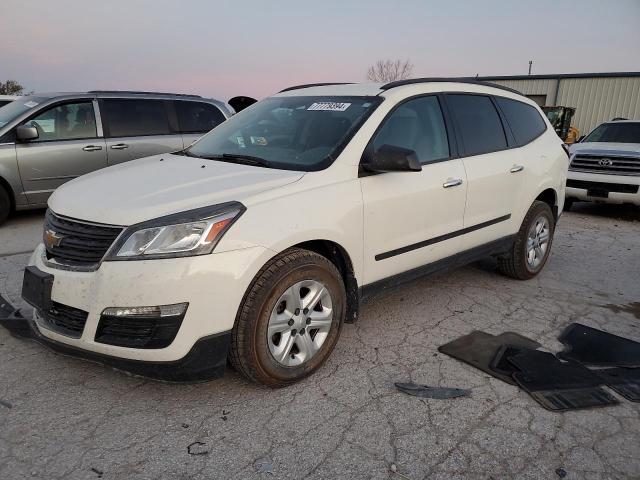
column 289, row 320
column 532, row 244
column 5, row 204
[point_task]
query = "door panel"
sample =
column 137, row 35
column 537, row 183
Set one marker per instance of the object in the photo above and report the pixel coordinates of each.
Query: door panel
column 406, row 210
column 67, row 147
column 412, row 218
column 138, row 127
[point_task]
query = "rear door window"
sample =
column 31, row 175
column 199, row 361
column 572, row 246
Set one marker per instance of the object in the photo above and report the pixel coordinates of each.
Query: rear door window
column 524, row 120
column 478, row 123
column 134, row 117
column 197, row 117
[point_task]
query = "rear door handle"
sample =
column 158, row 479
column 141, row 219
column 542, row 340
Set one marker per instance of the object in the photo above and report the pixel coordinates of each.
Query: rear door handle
column 452, row 183
column 92, row 148
column 119, row 146
column 516, row 168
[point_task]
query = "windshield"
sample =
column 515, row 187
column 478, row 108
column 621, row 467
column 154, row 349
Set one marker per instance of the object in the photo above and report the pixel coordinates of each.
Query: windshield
column 292, row 133
column 623, row 132
column 17, row 107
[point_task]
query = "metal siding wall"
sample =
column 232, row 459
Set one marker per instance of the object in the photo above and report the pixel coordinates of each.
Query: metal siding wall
column 599, row 100
column 546, row 86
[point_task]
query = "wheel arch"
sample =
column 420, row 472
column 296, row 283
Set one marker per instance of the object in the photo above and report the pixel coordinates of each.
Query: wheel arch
column 550, row 197
column 12, row 200
column 338, row 255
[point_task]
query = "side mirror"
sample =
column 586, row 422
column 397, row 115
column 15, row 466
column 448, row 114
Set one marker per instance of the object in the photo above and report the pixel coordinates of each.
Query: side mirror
column 26, row 133
column 389, row 158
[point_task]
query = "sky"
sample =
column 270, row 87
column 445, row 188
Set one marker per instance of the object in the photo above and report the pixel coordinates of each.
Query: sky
column 219, row 48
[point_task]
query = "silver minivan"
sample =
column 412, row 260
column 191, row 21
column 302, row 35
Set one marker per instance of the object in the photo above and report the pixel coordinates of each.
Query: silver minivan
column 49, row 139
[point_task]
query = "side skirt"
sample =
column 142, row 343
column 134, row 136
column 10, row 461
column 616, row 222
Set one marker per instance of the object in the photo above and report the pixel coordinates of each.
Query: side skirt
column 497, row 247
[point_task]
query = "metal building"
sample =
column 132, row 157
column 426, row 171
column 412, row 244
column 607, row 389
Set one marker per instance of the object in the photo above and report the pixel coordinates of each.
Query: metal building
column 597, row 97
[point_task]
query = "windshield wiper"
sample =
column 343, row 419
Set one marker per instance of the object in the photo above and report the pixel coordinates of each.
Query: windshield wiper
column 247, row 159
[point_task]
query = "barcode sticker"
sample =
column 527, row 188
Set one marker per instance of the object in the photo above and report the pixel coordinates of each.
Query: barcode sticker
column 329, row 106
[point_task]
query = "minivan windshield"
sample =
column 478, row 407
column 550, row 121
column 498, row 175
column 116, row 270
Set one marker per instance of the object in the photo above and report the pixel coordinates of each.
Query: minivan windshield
column 301, row 133
column 623, row 132
column 18, row 107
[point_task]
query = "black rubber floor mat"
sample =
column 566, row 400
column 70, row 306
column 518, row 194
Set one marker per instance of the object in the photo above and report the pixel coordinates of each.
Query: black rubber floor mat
column 479, row 349
column 501, row 364
column 594, row 347
column 558, row 385
column 625, row 381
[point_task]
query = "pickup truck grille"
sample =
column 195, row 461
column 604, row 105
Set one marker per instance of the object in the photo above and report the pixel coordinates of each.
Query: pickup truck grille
column 608, row 165
column 77, row 243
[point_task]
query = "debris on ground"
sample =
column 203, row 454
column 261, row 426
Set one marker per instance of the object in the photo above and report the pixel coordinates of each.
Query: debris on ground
column 195, row 449
column 224, row 416
column 425, row 391
column 100, row 473
column 561, row 472
column 394, row 469
column 264, row 466
column 4, row 403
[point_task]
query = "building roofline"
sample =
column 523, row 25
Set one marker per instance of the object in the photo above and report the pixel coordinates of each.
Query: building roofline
column 561, row 75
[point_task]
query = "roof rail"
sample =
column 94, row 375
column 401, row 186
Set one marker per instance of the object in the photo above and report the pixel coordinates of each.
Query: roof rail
column 471, row 80
column 144, row 93
column 298, row 87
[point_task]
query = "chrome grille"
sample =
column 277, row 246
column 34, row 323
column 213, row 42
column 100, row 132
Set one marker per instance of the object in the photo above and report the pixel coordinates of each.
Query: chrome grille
column 606, row 164
column 77, row 243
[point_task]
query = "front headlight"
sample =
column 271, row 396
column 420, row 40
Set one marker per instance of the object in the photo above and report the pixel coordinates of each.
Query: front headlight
column 195, row 232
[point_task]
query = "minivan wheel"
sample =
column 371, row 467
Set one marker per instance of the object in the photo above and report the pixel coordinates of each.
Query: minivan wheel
column 289, row 320
column 532, row 245
column 5, row 205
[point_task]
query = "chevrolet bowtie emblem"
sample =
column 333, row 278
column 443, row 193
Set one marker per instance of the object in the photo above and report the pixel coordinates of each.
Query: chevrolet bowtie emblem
column 52, row 239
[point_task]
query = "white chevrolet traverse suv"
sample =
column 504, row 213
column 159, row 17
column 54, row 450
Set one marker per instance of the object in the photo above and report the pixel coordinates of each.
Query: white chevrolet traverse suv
column 256, row 243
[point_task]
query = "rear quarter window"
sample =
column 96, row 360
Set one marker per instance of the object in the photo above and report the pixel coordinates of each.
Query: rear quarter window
column 524, row 120
column 198, row 117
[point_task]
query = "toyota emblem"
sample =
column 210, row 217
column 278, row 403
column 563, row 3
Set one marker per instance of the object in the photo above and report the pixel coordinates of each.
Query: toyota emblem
column 605, row 162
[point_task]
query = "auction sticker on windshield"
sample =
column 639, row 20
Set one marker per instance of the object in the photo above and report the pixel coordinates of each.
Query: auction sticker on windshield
column 329, row 106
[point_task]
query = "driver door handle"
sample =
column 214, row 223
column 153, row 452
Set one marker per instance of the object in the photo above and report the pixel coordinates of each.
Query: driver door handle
column 516, row 168
column 452, row 183
column 119, row 146
column 92, row 148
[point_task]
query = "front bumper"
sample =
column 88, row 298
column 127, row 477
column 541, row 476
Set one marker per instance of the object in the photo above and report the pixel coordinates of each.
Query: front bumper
column 213, row 285
column 609, row 183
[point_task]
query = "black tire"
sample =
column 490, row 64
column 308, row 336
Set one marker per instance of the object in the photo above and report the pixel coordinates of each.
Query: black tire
column 515, row 264
column 249, row 351
column 5, row 205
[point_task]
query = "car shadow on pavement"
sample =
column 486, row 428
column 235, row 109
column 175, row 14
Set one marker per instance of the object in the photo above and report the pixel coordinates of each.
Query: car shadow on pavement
column 626, row 212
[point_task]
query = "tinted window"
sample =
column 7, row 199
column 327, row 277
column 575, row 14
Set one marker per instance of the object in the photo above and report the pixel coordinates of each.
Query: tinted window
column 198, row 117
column 623, row 132
column 417, row 125
column 65, row 122
column 132, row 117
column 478, row 123
column 12, row 110
column 4, row 102
column 524, row 120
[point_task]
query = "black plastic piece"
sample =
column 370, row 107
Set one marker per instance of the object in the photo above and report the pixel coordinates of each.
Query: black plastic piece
column 138, row 331
column 557, row 385
column 424, row 391
column 36, row 287
column 479, row 348
column 625, row 381
column 594, row 347
column 13, row 320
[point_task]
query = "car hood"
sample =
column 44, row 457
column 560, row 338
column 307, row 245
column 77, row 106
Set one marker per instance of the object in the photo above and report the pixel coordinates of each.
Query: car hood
column 151, row 187
column 605, row 148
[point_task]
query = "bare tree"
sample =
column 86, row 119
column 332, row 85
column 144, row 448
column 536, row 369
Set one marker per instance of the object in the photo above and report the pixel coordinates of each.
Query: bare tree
column 389, row 70
column 11, row 87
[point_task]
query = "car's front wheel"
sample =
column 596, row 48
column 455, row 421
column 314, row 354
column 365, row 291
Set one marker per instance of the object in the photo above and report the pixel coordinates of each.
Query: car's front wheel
column 532, row 244
column 5, row 204
column 289, row 320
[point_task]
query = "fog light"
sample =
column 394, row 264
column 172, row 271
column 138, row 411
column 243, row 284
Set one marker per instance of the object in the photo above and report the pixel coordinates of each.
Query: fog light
column 140, row 327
